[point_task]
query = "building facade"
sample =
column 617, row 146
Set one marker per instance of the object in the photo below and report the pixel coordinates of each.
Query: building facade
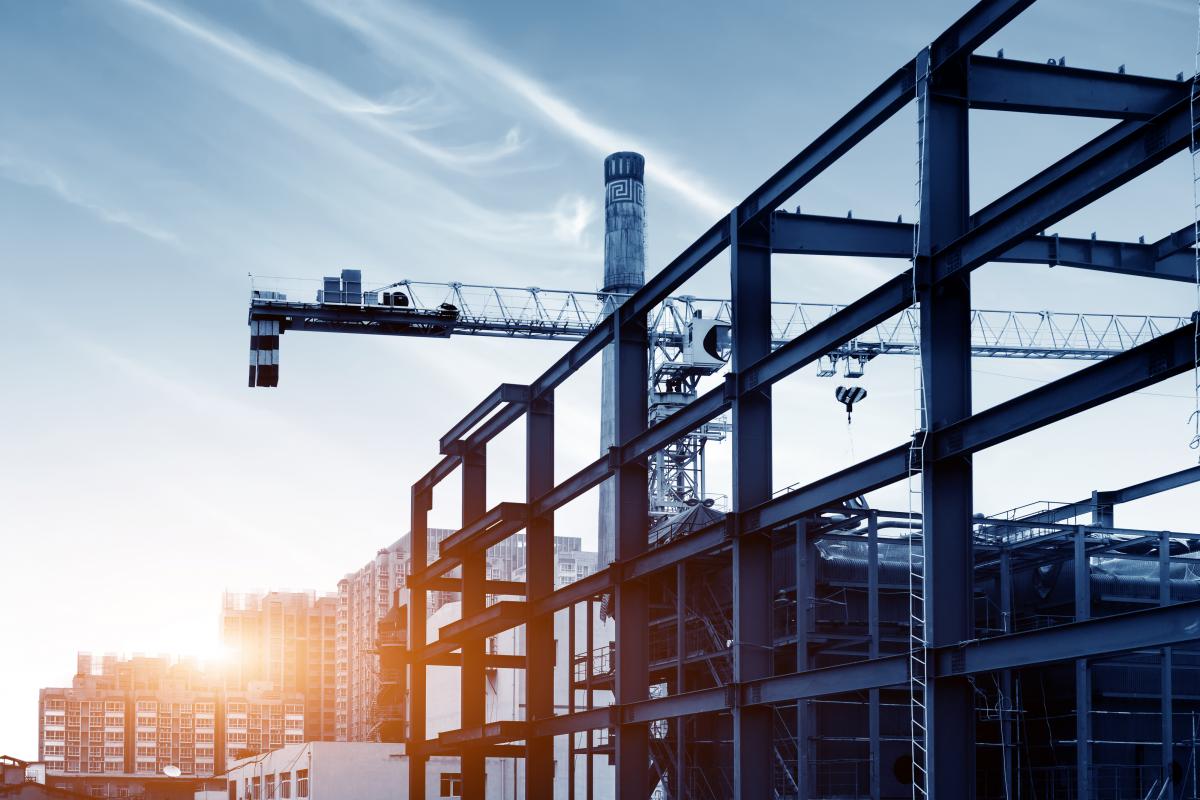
column 287, row 639
column 122, row 722
column 364, row 597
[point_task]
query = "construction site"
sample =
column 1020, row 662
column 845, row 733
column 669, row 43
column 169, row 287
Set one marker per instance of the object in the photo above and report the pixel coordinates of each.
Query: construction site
column 738, row 639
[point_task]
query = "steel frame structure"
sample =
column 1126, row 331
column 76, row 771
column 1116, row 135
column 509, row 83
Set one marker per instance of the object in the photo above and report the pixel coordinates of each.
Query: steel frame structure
column 1154, row 122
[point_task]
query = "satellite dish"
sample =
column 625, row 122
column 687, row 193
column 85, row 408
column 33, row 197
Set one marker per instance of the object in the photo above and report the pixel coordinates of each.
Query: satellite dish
column 172, row 771
column 849, row 396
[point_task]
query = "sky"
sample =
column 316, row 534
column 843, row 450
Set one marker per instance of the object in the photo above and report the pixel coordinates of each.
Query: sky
column 154, row 153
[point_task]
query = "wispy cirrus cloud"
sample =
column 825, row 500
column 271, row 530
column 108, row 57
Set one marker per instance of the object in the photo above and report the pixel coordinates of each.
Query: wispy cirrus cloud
column 23, row 170
column 385, row 119
column 385, row 29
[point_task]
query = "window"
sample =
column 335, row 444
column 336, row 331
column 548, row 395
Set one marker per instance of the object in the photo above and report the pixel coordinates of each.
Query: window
column 285, row 785
column 233, row 790
column 256, row 788
column 269, row 782
column 450, row 784
column 301, row 783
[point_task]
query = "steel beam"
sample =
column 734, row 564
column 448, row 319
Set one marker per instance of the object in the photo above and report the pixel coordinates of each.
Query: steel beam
column 540, row 569
column 419, row 542
column 1158, row 359
column 632, row 745
column 946, row 607
column 960, row 39
column 750, row 262
column 1149, row 629
column 809, row 234
column 504, row 393
column 999, row 84
column 473, row 675
column 1130, row 154
column 1153, row 486
column 1083, row 675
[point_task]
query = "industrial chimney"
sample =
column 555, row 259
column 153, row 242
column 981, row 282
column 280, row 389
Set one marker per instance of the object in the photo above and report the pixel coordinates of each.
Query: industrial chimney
column 624, row 273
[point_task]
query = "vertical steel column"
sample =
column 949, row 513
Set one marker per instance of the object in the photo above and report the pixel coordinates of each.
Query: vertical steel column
column 632, row 528
column 589, row 699
column 804, row 594
column 946, row 370
column 750, row 262
column 419, row 545
column 1008, row 746
column 1083, row 675
column 574, row 617
column 1167, row 667
column 539, row 560
column 473, row 684
column 873, row 633
column 680, row 723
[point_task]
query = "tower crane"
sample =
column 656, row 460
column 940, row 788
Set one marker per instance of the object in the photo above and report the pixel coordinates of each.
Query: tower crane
column 689, row 340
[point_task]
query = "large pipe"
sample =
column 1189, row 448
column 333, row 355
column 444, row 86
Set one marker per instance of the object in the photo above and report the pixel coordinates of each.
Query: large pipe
column 624, row 273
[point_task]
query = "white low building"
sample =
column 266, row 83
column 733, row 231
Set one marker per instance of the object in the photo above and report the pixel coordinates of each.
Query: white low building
column 333, row 771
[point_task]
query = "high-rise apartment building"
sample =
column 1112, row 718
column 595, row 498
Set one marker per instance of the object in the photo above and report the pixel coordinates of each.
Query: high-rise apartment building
column 365, row 596
column 287, row 639
column 123, row 721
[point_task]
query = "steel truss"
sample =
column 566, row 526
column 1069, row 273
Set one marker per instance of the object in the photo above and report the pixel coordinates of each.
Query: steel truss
column 1154, row 123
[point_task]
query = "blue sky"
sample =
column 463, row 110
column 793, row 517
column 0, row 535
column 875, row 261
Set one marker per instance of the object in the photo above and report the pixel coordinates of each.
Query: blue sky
column 155, row 152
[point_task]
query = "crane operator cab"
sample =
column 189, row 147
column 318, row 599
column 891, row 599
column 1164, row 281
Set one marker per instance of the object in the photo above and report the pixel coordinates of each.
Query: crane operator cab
column 706, row 344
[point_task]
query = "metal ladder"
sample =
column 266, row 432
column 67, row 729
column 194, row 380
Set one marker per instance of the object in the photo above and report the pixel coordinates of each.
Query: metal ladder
column 917, row 655
column 1194, row 104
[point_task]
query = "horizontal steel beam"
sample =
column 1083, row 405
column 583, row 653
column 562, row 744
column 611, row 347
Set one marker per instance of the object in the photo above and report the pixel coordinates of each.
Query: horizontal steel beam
column 813, row 234
column 490, row 661
column 819, row 235
column 1152, row 628
column 704, row 408
column 865, row 476
column 492, row 528
column 441, row 470
column 871, row 309
column 495, row 526
column 1158, row 359
column 1132, row 153
column 1137, row 491
column 497, row 617
column 587, row 478
column 1164, row 483
column 853, row 677
column 960, row 39
column 1178, row 242
column 505, row 393
column 999, row 84
column 1122, row 258
column 489, row 587
column 492, row 733
column 579, row 591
